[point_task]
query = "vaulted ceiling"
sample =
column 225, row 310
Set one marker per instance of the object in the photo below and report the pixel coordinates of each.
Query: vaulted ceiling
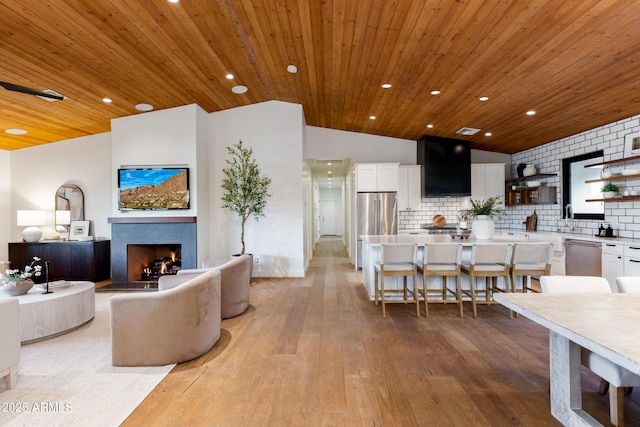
column 576, row 63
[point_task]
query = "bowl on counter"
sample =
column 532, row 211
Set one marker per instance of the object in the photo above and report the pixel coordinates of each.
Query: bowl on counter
column 533, row 184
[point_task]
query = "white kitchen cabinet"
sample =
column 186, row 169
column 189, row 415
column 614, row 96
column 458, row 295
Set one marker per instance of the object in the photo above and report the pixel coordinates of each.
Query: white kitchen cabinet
column 409, row 198
column 632, row 260
column 376, row 177
column 612, row 263
column 487, row 180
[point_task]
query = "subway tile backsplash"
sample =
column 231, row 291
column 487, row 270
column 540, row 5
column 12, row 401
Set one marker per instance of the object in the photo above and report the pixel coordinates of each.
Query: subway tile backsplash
column 624, row 217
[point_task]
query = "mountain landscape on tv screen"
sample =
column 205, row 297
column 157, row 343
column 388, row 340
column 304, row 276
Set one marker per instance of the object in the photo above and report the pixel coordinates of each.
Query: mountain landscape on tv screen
column 169, row 194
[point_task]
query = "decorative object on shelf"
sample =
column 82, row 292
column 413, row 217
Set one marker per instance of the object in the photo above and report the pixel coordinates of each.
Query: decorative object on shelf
column 16, row 282
column 31, row 219
column 483, row 213
column 606, row 173
column 245, row 188
column 520, row 169
column 630, row 171
column 79, row 230
column 529, row 170
column 609, row 190
column 532, row 184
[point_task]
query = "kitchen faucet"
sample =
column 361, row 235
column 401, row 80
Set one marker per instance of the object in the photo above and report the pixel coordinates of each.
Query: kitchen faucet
column 568, row 217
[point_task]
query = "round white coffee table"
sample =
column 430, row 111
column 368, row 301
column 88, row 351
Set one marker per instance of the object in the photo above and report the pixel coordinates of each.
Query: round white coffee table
column 46, row 315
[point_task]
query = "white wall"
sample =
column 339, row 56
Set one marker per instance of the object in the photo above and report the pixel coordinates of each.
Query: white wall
column 164, row 137
column 37, row 172
column 360, row 147
column 275, row 132
column 5, row 205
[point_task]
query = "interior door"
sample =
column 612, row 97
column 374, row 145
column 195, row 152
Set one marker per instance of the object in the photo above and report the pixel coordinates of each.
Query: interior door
column 329, row 220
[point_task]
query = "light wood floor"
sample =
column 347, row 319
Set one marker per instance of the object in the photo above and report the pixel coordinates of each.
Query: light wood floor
column 315, row 352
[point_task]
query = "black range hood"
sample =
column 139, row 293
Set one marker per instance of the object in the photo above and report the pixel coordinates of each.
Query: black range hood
column 445, row 166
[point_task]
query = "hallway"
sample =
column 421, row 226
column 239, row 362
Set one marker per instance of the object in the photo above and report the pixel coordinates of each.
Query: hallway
column 314, row 351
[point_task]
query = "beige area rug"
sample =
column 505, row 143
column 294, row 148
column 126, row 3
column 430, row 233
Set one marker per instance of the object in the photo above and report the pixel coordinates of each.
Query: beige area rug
column 69, row 381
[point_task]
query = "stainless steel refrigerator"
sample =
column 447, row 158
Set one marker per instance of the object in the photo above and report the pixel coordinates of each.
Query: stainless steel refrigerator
column 376, row 213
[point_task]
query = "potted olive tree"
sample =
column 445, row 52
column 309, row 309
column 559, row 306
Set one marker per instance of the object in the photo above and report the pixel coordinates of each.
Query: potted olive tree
column 245, row 188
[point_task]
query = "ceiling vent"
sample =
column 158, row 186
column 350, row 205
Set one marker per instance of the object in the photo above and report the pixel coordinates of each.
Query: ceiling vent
column 327, row 161
column 51, row 92
column 468, row 131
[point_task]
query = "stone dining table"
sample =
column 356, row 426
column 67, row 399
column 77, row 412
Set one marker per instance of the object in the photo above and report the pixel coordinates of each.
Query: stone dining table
column 606, row 324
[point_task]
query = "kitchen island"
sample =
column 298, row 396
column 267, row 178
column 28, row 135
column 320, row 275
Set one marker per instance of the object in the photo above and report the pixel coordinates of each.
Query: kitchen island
column 371, row 253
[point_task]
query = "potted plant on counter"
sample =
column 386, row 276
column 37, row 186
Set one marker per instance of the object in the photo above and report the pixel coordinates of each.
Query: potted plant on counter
column 483, row 213
column 245, row 188
column 609, row 190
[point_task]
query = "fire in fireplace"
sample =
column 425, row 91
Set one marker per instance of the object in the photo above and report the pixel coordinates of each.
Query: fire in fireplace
column 148, row 262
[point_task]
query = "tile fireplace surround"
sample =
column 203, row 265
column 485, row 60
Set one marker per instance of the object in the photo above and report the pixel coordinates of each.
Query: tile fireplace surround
column 149, row 231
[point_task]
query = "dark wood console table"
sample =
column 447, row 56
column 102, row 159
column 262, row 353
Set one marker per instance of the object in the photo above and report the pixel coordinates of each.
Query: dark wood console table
column 67, row 260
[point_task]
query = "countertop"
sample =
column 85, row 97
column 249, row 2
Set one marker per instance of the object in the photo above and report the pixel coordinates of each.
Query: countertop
column 541, row 235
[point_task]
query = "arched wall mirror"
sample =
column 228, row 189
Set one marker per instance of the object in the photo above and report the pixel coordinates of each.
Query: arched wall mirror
column 69, row 197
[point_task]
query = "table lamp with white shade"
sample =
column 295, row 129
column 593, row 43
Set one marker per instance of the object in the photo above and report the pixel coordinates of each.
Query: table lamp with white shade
column 31, row 219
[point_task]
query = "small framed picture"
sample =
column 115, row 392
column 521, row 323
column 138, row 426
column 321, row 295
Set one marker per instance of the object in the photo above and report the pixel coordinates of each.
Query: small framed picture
column 78, row 230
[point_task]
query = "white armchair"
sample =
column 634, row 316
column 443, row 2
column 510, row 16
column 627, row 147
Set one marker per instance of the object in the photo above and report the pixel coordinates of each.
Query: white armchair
column 9, row 340
column 628, row 284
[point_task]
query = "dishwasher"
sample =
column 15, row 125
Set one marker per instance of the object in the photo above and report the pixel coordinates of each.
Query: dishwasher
column 583, row 258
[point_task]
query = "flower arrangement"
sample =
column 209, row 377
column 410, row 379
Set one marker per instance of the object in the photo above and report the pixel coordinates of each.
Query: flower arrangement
column 29, row 270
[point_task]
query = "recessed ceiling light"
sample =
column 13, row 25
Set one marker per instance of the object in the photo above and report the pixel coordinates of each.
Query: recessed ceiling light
column 107, row 100
column 483, row 98
column 386, row 85
column 372, row 117
column 329, row 172
column 16, row 131
column 239, row 89
column 229, row 76
column 144, row 107
column 430, row 126
column 488, row 134
column 174, row 1
column 292, row 69
column 328, row 163
column 435, row 92
column 531, row 113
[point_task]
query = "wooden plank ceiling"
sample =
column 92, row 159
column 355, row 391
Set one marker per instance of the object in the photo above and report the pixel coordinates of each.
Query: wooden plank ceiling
column 574, row 62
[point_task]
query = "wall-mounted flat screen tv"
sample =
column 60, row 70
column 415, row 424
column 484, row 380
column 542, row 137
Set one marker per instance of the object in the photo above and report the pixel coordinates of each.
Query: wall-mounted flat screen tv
column 153, row 188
